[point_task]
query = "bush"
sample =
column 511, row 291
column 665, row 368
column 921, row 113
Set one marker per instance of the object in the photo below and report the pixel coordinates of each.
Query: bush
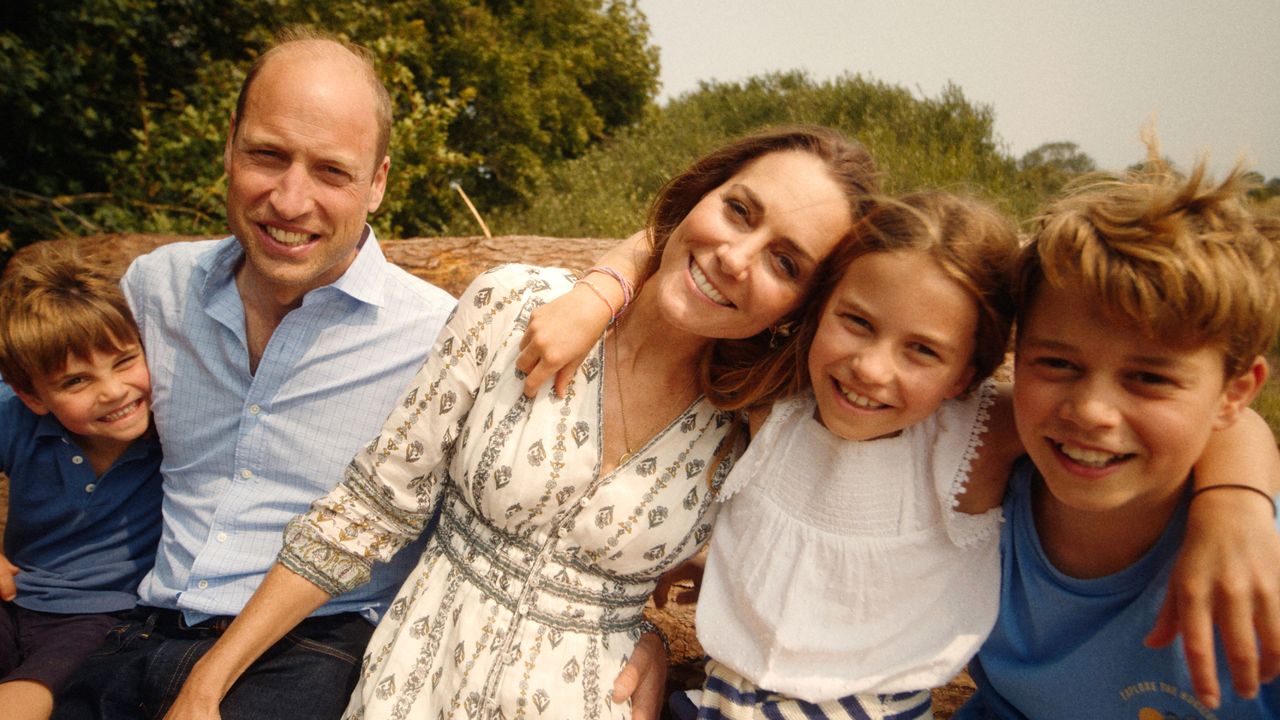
column 918, row 142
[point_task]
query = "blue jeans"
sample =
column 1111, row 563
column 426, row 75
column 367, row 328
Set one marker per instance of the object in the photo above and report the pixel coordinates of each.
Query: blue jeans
column 139, row 670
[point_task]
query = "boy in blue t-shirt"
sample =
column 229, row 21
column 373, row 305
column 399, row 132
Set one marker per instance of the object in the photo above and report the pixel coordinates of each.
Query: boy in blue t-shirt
column 84, row 471
column 1145, row 307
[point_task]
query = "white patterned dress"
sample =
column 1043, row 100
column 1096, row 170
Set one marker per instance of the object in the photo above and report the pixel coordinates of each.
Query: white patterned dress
column 528, row 598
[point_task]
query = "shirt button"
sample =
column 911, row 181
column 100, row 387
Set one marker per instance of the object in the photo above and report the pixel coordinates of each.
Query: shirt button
column 584, row 502
column 76, row 459
column 255, row 409
column 222, row 537
column 202, row 584
column 246, row 473
column 563, row 532
column 90, row 488
column 522, row 609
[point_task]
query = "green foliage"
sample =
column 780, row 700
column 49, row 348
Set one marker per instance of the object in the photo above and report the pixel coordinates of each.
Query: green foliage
column 1049, row 167
column 943, row 141
column 116, row 110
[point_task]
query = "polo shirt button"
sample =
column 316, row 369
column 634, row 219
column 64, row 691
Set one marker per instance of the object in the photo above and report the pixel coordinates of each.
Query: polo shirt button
column 563, row 532
column 222, row 537
column 246, row 473
column 202, row 584
column 523, row 609
column 255, row 409
column 584, row 501
column 76, row 459
column 90, row 488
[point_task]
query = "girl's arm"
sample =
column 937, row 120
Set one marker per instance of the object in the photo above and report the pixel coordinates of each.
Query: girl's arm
column 563, row 331
column 1226, row 573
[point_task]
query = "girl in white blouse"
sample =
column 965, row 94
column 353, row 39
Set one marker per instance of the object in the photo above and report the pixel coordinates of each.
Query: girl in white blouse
column 842, row 575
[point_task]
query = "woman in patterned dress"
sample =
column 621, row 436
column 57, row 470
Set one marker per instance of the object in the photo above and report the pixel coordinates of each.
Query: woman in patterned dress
column 557, row 514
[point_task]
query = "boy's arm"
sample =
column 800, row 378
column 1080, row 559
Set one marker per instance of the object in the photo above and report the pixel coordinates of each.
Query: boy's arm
column 1226, row 573
column 563, row 331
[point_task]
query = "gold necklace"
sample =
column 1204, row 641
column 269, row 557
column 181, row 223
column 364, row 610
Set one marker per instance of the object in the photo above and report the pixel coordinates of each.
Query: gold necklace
column 622, row 406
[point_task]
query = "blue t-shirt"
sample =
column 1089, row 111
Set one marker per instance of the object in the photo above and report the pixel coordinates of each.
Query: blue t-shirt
column 82, row 542
column 1066, row 647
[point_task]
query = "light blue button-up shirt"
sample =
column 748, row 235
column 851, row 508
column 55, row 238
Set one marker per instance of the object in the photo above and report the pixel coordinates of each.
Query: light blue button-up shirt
column 245, row 453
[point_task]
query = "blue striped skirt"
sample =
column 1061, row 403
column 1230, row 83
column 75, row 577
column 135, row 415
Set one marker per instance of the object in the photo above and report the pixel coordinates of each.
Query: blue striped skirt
column 728, row 695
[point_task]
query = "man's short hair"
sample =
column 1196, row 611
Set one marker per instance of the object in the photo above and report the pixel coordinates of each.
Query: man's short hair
column 365, row 57
column 52, row 303
column 1179, row 258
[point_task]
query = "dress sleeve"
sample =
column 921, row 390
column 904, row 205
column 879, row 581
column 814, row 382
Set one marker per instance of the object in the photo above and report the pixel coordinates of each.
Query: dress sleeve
column 961, row 424
column 391, row 488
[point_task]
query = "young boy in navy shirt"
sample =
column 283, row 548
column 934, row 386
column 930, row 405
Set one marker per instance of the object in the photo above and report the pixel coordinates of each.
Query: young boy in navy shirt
column 84, row 471
column 1145, row 308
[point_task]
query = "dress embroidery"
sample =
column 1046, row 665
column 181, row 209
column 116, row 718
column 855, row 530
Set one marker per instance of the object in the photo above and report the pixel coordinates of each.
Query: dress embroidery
column 528, row 598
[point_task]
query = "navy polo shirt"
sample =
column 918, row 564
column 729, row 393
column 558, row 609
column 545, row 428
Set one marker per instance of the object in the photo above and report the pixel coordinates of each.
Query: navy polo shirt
column 82, row 543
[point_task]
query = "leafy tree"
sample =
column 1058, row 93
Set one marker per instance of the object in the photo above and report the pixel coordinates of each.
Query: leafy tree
column 1047, row 168
column 116, row 110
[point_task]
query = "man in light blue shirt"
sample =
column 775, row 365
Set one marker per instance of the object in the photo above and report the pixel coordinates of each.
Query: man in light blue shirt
column 274, row 355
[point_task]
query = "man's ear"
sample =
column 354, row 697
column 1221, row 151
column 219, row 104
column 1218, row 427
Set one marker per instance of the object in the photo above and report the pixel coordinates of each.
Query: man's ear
column 1240, row 391
column 379, row 185
column 231, row 138
column 32, row 401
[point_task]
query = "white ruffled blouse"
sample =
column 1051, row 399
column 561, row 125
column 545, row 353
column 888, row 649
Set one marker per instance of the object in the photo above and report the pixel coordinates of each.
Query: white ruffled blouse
column 840, row 567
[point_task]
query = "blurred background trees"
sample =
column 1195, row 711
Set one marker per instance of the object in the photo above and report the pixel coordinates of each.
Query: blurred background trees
column 116, row 110
column 543, row 111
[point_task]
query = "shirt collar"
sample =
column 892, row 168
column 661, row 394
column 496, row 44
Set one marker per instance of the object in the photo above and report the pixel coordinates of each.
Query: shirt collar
column 47, row 426
column 364, row 281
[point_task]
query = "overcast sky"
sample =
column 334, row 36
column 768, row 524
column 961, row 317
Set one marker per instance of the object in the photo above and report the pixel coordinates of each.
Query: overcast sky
column 1087, row 71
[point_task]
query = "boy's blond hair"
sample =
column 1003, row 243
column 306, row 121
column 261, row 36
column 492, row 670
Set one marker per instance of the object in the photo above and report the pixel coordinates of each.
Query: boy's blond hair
column 52, row 303
column 1178, row 258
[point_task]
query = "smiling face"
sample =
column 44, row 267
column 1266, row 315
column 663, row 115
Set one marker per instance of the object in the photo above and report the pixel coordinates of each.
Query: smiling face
column 104, row 400
column 301, row 167
column 746, row 253
column 895, row 339
column 1112, row 418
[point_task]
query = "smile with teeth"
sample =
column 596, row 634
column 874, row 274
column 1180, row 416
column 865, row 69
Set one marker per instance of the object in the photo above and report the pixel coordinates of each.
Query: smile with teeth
column 861, row 401
column 123, row 412
column 700, row 280
column 284, row 237
column 1090, row 458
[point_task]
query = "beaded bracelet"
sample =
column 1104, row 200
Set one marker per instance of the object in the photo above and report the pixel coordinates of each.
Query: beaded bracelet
column 613, row 314
column 648, row 626
column 628, row 290
column 1238, row 486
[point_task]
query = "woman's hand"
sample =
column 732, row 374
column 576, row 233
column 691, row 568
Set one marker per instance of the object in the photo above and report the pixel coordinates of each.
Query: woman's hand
column 644, row 679
column 194, row 703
